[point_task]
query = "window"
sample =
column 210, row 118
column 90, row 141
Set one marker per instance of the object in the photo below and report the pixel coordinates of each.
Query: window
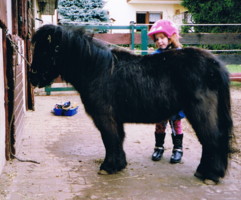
column 154, row 17
column 140, row 18
column 147, row 17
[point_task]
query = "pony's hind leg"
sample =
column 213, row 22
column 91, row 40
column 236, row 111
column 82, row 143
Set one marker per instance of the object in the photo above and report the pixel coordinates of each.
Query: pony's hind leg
column 203, row 116
column 113, row 135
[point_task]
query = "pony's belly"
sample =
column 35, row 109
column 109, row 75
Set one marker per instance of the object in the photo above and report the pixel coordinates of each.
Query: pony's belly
column 144, row 117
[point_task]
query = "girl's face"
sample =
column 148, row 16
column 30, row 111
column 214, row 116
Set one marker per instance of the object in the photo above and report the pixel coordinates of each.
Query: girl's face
column 161, row 40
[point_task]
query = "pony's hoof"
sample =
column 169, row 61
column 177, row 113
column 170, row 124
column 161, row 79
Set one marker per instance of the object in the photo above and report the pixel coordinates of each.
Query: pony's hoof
column 102, row 172
column 198, row 175
column 206, row 180
column 209, row 182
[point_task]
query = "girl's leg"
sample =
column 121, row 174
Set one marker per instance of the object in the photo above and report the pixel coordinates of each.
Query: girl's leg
column 177, row 137
column 159, row 140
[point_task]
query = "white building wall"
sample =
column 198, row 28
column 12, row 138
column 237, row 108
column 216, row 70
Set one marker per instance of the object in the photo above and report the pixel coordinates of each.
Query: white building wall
column 123, row 12
column 2, row 109
column 50, row 19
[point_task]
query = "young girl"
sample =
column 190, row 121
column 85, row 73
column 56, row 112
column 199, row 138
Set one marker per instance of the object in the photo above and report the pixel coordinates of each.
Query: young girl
column 166, row 36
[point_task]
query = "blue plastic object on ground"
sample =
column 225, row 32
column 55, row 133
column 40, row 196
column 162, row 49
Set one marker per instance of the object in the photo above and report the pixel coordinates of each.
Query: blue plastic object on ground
column 65, row 109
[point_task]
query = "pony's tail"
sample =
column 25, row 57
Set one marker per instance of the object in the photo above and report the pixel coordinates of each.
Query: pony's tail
column 225, row 123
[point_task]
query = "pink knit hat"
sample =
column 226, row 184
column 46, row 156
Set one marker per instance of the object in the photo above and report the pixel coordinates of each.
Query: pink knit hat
column 163, row 26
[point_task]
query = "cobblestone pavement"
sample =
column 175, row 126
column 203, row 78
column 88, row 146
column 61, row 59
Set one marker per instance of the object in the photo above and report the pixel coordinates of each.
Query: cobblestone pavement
column 70, row 150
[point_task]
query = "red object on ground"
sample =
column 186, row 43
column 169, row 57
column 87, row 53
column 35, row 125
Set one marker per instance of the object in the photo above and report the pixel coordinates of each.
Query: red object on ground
column 235, row 77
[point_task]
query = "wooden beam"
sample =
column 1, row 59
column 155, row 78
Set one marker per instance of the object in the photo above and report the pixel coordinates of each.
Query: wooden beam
column 118, row 38
column 187, row 38
column 211, row 38
column 235, row 77
column 228, row 59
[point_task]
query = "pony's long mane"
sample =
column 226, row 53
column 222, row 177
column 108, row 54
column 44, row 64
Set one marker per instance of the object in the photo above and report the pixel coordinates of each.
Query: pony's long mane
column 74, row 42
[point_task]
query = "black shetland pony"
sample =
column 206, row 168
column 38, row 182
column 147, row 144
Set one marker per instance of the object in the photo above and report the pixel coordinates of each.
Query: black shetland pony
column 117, row 86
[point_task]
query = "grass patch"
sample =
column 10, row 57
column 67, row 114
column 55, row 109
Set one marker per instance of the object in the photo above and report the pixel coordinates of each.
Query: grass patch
column 234, row 69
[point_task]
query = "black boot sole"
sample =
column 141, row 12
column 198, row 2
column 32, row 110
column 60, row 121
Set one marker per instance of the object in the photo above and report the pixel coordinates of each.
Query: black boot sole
column 175, row 161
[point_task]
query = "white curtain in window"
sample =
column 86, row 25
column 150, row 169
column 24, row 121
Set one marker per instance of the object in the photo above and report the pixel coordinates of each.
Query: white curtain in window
column 154, row 17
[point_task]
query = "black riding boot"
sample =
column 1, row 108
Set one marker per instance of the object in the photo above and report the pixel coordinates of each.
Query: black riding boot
column 159, row 149
column 177, row 148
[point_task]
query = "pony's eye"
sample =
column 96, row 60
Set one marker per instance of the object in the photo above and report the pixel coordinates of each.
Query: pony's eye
column 34, row 71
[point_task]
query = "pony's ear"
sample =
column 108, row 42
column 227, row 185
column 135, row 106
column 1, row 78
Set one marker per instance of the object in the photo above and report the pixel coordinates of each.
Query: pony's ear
column 49, row 38
column 91, row 35
column 43, row 33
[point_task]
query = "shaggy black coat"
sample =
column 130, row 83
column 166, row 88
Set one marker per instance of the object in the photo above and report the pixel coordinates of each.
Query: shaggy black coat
column 117, row 86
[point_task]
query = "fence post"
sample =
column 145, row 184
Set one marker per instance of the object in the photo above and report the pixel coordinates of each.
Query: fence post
column 132, row 35
column 144, row 40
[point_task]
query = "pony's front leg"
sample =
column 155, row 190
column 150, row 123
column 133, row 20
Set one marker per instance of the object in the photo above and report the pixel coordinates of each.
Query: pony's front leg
column 113, row 136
